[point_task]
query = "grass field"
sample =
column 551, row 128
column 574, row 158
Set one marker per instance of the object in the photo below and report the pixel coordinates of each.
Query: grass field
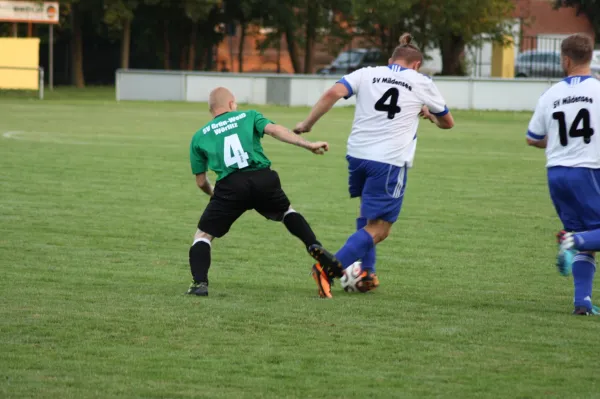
column 98, row 207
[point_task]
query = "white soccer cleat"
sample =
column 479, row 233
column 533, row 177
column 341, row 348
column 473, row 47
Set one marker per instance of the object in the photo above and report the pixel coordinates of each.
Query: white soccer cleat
column 566, row 241
column 566, row 252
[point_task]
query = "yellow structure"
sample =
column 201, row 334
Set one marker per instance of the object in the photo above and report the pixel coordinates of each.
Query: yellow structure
column 503, row 59
column 19, row 53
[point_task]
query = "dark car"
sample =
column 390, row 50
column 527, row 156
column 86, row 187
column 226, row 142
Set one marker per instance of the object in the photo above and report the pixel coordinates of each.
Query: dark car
column 351, row 60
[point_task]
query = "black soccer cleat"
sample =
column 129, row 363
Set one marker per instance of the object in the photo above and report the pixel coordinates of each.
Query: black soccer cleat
column 198, row 289
column 331, row 266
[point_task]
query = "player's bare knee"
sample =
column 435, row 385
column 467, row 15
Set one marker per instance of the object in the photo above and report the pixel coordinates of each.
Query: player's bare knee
column 379, row 230
column 202, row 236
column 381, row 235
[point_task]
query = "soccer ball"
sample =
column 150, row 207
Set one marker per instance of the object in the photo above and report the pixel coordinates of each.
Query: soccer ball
column 352, row 277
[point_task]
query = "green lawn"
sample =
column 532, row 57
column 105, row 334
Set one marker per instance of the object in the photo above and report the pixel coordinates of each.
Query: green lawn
column 98, row 208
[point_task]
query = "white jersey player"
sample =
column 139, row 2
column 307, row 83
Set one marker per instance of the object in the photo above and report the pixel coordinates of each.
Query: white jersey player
column 381, row 148
column 566, row 123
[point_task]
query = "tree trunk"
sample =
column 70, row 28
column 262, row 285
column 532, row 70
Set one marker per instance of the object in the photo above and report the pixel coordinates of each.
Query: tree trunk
column 126, row 44
column 167, row 46
column 453, row 49
column 241, row 46
column 292, row 48
column 77, row 77
column 183, row 58
column 209, row 57
column 279, row 53
column 312, row 13
column 192, row 48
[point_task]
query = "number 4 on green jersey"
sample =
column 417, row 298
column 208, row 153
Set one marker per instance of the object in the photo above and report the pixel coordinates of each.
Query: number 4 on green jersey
column 230, row 142
column 234, row 153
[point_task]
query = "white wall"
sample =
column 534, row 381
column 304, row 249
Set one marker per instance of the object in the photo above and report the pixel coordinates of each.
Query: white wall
column 307, row 90
column 460, row 93
column 247, row 90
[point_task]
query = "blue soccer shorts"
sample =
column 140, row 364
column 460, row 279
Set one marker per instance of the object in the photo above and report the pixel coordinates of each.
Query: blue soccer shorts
column 381, row 188
column 575, row 193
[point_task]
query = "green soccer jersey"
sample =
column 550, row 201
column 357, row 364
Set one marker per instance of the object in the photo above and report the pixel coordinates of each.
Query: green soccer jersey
column 229, row 143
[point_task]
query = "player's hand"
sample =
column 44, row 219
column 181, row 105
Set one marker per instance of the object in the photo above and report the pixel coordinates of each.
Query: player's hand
column 302, row 127
column 319, row 147
column 425, row 114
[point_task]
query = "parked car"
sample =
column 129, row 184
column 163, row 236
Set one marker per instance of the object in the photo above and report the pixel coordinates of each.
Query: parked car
column 596, row 64
column 539, row 64
column 351, row 60
column 546, row 64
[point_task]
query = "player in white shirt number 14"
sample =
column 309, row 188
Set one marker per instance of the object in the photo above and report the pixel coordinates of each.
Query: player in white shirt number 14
column 565, row 122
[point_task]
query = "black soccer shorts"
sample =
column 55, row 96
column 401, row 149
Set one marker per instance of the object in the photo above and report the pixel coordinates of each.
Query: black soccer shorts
column 241, row 191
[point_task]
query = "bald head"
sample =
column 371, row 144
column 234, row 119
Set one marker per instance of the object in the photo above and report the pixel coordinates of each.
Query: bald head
column 221, row 100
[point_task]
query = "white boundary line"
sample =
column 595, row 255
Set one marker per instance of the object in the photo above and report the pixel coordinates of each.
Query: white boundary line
column 13, row 135
column 21, row 135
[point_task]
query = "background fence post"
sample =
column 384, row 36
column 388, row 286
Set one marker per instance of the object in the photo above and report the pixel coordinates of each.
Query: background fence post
column 41, row 83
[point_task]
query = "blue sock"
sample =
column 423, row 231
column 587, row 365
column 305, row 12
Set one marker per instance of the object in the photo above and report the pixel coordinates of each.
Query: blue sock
column 355, row 248
column 368, row 261
column 588, row 241
column 584, row 268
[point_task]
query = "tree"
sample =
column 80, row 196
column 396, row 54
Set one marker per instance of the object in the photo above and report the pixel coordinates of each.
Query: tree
column 77, row 74
column 454, row 24
column 164, row 19
column 383, row 21
column 244, row 12
column 75, row 12
column 302, row 23
column 118, row 14
column 450, row 25
column 281, row 16
column 319, row 17
column 589, row 8
column 196, row 10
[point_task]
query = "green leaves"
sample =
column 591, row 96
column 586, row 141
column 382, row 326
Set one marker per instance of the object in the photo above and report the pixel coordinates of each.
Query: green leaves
column 198, row 9
column 589, row 8
column 448, row 24
column 118, row 11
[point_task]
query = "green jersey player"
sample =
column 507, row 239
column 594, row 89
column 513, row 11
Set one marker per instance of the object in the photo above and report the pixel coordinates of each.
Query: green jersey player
column 230, row 145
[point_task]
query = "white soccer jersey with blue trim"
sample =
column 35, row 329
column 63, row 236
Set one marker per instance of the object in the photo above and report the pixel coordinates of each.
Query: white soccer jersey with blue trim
column 388, row 102
column 569, row 115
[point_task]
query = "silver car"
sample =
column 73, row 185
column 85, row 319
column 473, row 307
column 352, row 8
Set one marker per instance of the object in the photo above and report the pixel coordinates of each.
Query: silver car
column 596, row 64
column 539, row 64
column 546, row 64
column 351, row 60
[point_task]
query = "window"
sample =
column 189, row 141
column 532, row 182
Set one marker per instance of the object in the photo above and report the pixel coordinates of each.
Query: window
column 348, row 58
column 372, row 57
column 525, row 58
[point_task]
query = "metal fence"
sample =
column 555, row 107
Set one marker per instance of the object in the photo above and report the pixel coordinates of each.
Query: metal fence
column 40, row 77
column 539, row 57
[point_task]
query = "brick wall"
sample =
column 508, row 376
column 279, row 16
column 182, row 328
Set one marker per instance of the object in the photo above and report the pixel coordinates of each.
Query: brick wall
column 267, row 60
column 539, row 17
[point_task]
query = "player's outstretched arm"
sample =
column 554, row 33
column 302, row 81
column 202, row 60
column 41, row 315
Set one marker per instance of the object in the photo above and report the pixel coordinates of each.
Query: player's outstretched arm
column 325, row 103
column 204, row 184
column 285, row 135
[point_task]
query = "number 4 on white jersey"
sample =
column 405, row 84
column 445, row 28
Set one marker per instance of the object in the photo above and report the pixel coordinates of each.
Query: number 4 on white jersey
column 234, row 153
